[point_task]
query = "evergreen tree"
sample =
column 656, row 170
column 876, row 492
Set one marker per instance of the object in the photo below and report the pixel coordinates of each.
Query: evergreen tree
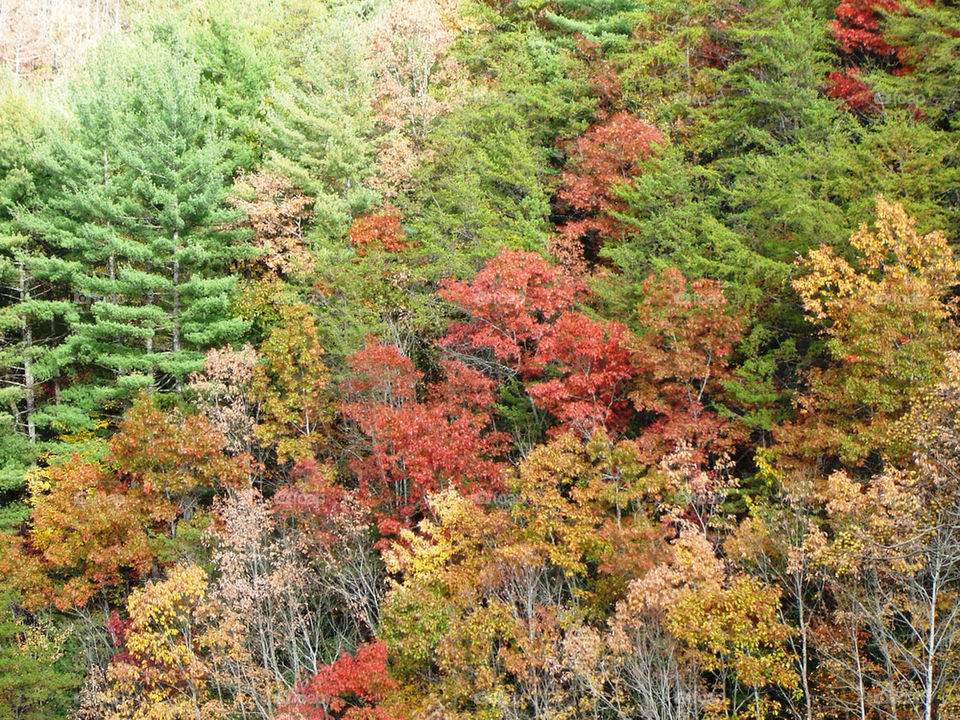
column 320, row 125
column 234, row 75
column 34, row 301
column 486, row 189
column 931, row 34
column 600, row 21
column 176, row 165
column 83, row 215
column 139, row 206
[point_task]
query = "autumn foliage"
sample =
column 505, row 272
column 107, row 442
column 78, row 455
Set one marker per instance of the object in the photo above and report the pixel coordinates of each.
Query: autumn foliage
column 885, row 320
column 511, row 304
column 495, row 360
column 684, row 357
column 593, row 368
column 859, row 25
column 277, row 213
column 349, row 688
column 288, row 384
column 608, row 155
column 859, row 31
column 417, row 438
column 172, row 644
column 379, row 230
column 97, row 525
column 848, row 86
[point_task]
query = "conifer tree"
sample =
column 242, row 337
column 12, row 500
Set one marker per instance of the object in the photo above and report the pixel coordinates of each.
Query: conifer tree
column 321, row 122
column 82, row 216
column 34, row 306
column 175, row 167
column 140, row 207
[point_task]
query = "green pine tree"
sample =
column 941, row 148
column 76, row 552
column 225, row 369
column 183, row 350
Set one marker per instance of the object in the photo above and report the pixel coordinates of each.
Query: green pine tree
column 320, row 125
column 175, row 172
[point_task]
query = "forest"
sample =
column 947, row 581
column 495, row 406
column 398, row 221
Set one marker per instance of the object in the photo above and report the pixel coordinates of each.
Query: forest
column 479, row 360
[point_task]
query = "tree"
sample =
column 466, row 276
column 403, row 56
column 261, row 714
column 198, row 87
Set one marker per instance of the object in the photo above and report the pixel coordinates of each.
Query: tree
column 595, row 369
column 413, row 447
column 496, row 601
column 40, row 39
column 278, row 215
column 36, row 680
column 607, row 155
column 909, row 163
column 586, row 373
column 88, row 532
column 888, row 548
column 348, row 688
column 172, row 646
column 289, row 385
column 771, row 544
column 667, row 63
column 511, row 303
column 81, row 215
column 859, row 25
column 173, row 453
column 606, row 21
column 484, row 184
column 728, row 623
column 320, row 124
column 25, row 47
column 925, row 36
column 885, row 322
column 409, row 46
column 36, row 276
column 379, row 230
column 36, row 318
column 96, row 525
column 911, row 47
column 491, row 646
column 141, row 207
column 235, row 73
column 178, row 161
column 223, row 394
column 682, row 353
column 301, row 571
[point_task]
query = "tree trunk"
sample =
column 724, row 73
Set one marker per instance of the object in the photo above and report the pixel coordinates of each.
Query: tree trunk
column 27, row 339
column 176, row 303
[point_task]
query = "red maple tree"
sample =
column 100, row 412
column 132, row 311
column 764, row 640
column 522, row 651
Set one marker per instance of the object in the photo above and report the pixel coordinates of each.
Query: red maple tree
column 511, row 303
column 607, row 155
column 684, row 354
column 414, row 438
column 349, row 688
column 379, row 230
column 593, row 369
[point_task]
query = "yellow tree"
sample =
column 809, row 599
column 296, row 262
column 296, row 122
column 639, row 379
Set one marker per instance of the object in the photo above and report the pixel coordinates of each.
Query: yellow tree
column 890, row 551
column 495, row 599
column 289, row 384
column 885, row 320
column 488, row 592
column 174, row 646
column 721, row 641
